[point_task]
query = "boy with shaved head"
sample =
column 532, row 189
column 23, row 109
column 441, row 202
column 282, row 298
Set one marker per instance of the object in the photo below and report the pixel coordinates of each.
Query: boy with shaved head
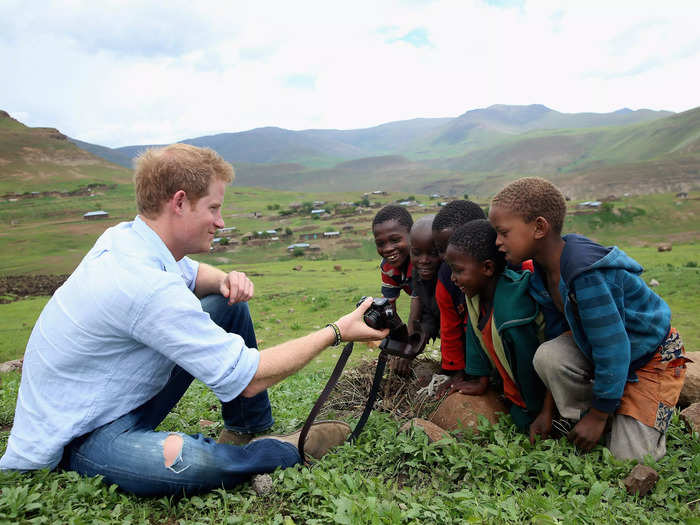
column 424, row 313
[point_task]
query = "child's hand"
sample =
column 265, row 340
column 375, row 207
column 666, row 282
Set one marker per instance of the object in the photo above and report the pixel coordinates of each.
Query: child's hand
column 541, row 426
column 447, row 385
column 472, row 387
column 586, row 434
column 400, row 365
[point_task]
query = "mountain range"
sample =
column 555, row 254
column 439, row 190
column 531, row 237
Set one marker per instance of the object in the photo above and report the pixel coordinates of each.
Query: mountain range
column 477, row 152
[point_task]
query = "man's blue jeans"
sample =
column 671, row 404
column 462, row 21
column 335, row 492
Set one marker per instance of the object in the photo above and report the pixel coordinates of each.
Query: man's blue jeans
column 129, row 452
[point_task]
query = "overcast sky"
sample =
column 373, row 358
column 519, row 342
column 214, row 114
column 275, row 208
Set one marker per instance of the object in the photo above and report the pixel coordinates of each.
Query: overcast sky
column 136, row 72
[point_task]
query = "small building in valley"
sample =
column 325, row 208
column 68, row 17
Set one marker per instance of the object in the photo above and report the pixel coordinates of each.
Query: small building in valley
column 92, row 215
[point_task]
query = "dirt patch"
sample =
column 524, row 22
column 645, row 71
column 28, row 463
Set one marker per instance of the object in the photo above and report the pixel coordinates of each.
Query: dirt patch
column 397, row 395
column 20, row 286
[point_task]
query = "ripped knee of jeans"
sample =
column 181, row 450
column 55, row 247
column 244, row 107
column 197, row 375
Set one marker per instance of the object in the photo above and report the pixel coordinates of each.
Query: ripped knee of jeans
column 172, row 453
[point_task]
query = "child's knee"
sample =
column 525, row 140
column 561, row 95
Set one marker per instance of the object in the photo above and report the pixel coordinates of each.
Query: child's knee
column 546, row 358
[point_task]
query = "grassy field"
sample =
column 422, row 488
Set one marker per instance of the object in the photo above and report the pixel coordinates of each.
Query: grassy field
column 495, row 476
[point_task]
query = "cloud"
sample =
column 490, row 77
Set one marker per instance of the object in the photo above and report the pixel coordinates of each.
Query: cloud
column 119, row 73
column 505, row 3
column 417, row 37
column 300, row 81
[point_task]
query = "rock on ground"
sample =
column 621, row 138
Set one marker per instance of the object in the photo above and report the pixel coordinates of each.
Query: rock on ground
column 691, row 388
column 691, row 417
column 460, row 408
column 434, row 432
column 8, row 366
column 641, row 480
column 262, row 484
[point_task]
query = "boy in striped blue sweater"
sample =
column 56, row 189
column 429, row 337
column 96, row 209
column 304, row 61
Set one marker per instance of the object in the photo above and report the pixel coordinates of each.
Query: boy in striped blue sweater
column 613, row 360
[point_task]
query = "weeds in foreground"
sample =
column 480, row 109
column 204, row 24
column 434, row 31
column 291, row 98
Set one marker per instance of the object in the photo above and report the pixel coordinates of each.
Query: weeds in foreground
column 494, row 476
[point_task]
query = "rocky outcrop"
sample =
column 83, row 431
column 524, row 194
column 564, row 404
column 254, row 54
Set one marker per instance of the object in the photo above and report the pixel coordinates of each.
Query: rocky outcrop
column 691, row 388
column 691, row 417
column 641, row 480
column 460, row 410
column 434, row 432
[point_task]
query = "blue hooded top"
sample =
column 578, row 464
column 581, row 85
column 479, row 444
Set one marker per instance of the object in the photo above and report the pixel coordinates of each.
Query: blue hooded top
column 617, row 321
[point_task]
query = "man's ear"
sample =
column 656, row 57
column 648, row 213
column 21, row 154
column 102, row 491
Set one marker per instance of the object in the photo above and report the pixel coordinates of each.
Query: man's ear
column 177, row 202
column 542, row 227
column 488, row 268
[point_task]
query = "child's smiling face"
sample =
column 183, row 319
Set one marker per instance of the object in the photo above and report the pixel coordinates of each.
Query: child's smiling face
column 424, row 255
column 468, row 273
column 391, row 240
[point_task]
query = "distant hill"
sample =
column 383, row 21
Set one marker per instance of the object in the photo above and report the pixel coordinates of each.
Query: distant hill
column 43, row 159
column 416, row 138
column 476, row 152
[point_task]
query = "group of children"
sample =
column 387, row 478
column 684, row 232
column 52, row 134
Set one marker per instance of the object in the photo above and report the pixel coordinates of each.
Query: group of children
column 580, row 344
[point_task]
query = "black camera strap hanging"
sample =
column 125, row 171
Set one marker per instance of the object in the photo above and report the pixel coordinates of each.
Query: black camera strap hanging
column 332, row 380
column 408, row 348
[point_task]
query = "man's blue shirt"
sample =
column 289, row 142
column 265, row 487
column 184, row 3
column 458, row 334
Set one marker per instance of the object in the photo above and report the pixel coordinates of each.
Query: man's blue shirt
column 107, row 341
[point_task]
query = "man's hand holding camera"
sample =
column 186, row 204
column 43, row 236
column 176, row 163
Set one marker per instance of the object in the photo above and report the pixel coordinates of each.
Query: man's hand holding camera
column 354, row 328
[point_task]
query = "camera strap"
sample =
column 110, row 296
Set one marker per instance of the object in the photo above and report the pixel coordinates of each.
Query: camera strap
column 337, row 371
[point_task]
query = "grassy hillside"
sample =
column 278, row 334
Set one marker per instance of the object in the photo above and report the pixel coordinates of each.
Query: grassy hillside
column 43, row 159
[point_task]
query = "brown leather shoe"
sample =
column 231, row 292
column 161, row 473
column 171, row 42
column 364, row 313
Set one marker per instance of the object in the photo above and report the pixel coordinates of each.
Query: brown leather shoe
column 322, row 436
column 229, row 437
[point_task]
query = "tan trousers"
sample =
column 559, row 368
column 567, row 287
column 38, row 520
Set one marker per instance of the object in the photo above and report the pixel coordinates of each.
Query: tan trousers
column 569, row 376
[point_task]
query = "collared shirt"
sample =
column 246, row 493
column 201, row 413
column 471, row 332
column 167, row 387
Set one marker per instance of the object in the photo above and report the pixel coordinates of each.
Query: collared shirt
column 396, row 279
column 107, row 341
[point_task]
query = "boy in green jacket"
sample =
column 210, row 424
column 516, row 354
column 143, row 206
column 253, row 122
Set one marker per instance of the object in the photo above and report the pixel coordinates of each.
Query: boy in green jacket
column 504, row 326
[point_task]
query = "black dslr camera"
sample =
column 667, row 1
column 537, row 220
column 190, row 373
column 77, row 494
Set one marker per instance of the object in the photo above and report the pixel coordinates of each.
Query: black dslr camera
column 381, row 315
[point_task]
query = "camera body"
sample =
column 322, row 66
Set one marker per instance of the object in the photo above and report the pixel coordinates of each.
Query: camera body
column 381, row 314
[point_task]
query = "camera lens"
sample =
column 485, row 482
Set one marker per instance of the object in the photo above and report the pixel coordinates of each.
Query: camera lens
column 373, row 319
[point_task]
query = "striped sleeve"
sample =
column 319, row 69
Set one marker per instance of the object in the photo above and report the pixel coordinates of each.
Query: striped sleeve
column 604, row 328
column 391, row 287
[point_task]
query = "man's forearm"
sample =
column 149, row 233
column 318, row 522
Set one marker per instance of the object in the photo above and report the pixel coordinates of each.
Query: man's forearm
column 283, row 360
column 208, row 280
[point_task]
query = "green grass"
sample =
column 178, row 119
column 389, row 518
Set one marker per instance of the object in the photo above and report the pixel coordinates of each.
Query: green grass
column 18, row 319
column 495, row 476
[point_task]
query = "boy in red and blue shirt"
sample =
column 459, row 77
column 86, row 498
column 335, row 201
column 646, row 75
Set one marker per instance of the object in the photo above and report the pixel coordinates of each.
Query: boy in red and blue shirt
column 391, row 227
column 449, row 297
